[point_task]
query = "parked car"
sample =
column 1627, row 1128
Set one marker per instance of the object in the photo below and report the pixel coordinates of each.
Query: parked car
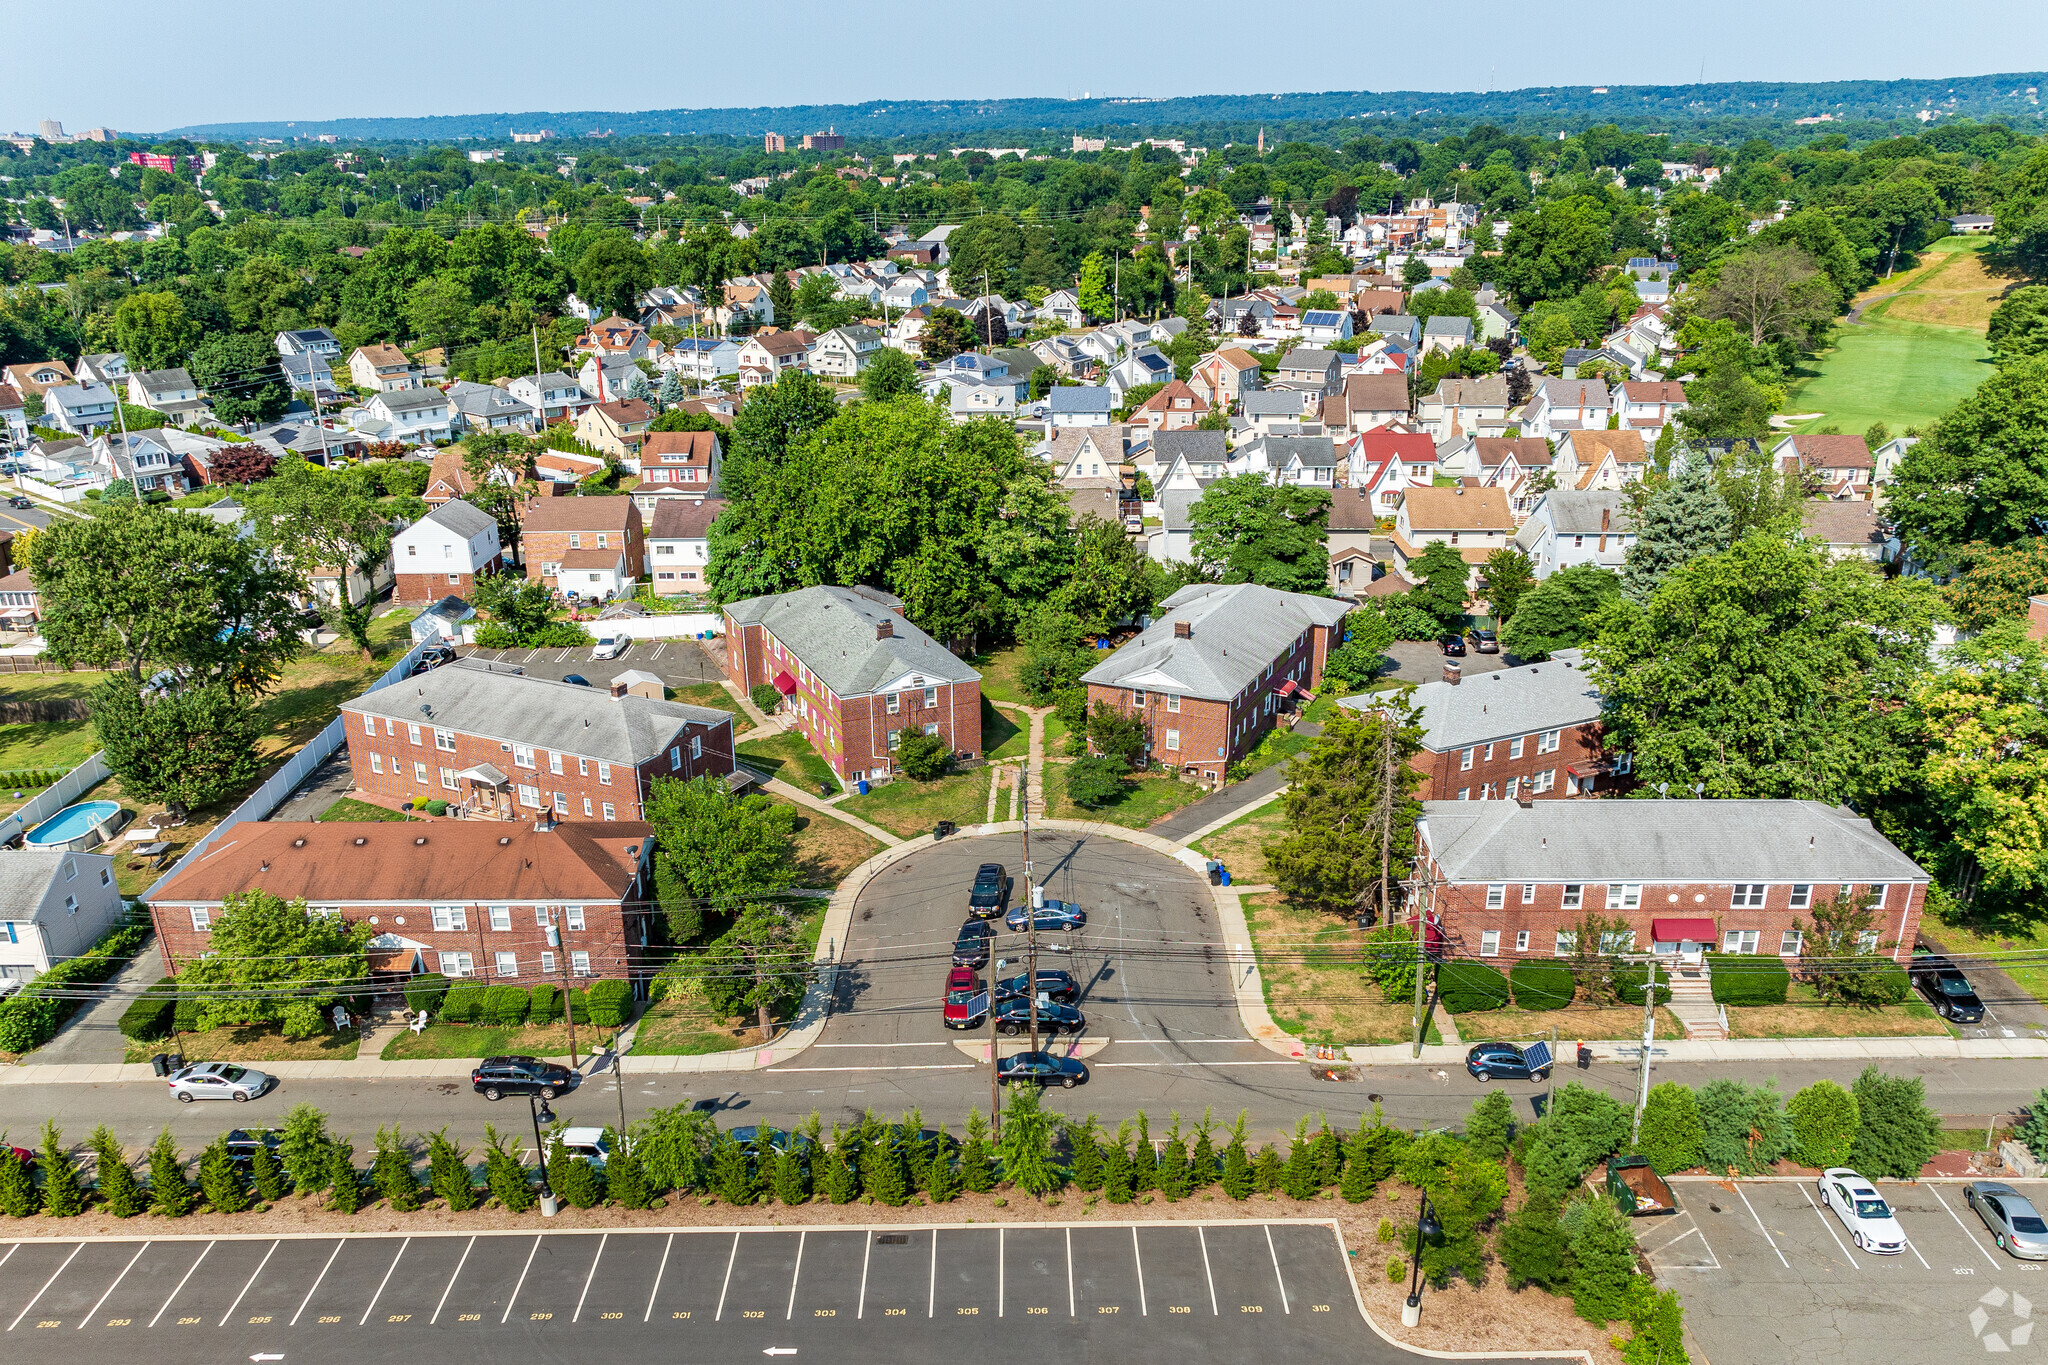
column 611, row 644
column 1506, row 1062
column 990, row 892
column 970, row 949
column 1013, row 1016
column 1452, row 645
column 218, row 1081
column 19, row 501
column 1862, row 1210
column 496, row 1077
column 1060, row 985
column 589, row 1143
column 966, row 999
column 1946, row 988
column 1051, row 915
column 432, row 658
column 1485, row 641
column 243, row 1142
column 576, row 678
column 2014, row 1224
column 1041, row 1067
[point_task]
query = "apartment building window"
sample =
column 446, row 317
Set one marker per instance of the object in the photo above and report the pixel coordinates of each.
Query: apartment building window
column 1791, row 944
column 202, row 919
column 575, row 540
column 369, row 725
column 696, row 746
column 586, row 808
column 1574, row 895
column 376, row 762
column 1173, row 739
column 1528, row 893
column 1747, row 896
column 895, row 703
column 1489, row 753
column 444, row 740
column 1464, row 793
column 583, row 767
column 561, row 803
column 1489, row 943
column 388, row 731
column 530, row 797
column 1802, row 895
column 501, row 919
column 574, row 915
column 1739, row 941
column 579, row 963
column 1515, row 747
column 506, row 964
column 1877, row 894
column 1543, row 781
column 1546, row 743
column 448, row 781
column 412, row 734
column 931, row 698
column 1624, row 897
column 457, row 964
column 522, row 756
column 608, row 811
column 1514, row 787
column 419, row 773
column 448, row 918
column 1521, row 940
column 1137, row 696
column 540, row 916
column 895, row 740
column 555, row 764
column 1866, row 942
column 1618, row 941
column 1173, row 701
column 604, row 774
column 1465, row 761
column 547, row 963
column 931, row 729
column 1566, row 942
column 1496, row 895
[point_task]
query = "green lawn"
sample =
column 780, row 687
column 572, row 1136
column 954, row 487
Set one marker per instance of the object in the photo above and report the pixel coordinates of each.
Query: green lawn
column 1147, row 798
column 350, row 809
column 441, row 1040
column 911, row 808
column 1055, row 735
column 1003, row 733
column 789, row 756
column 715, row 697
column 1000, row 671
column 47, row 744
column 1900, row 373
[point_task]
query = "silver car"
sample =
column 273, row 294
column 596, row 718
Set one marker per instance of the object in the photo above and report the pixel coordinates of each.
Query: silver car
column 218, row 1081
column 2014, row 1224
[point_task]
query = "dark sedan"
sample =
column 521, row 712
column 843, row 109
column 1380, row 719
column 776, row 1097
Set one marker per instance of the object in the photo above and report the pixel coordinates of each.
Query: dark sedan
column 1051, row 915
column 1043, row 1068
column 1506, row 1062
column 970, row 949
column 990, row 892
column 1947, row 989
column 496, row 1077
column 1453, row 645
column 1051, row 981
column 1013, row 1016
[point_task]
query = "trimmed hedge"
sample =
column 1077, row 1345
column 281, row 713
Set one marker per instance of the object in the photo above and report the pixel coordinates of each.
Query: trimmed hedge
column 1628, row 983
column 612, row 1000
column 506, row 1005
column 1748, row 979
column 425, row 991
column 1543, row 985
column 547, row 1005
column 28, row 1018
column 1464, row 987
column 149, row 1017
column 463, row 1003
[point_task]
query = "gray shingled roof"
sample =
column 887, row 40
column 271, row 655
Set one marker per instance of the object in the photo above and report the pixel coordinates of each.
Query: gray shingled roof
column 557, row 716
column 1196, row 445
column 1236, row 630
column 1317, row 451
column 1660, row 841
column 832, row 630
column 1577, row 513
column 1499, row 705
column 1310, row 358
column 1175, row 504
column 410, row 400
column 462, row 518
column 1067, row 398
column 25, row 877
column 1271, row 403
column 1447, row 325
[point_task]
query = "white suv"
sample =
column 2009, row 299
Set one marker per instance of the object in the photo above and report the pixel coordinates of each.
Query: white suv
column 1863, row 1211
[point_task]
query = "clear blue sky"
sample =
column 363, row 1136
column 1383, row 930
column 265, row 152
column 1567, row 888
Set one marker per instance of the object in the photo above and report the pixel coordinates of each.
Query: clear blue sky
column 146, row 65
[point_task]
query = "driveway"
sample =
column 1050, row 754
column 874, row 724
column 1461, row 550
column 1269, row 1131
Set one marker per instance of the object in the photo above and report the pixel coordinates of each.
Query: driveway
column 1420, row 661
column 93, row 1035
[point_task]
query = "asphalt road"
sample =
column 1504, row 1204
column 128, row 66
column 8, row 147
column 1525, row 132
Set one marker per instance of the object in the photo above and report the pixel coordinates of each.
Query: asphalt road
column 1138, row 1293
column 676, row 662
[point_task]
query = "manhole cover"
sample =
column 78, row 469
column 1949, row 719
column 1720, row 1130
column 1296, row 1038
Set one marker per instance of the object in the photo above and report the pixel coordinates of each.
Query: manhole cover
column 1375, row 1097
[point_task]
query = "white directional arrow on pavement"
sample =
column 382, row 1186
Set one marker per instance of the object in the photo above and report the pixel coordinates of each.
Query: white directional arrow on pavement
column 266, row 1357
column 779, row 1351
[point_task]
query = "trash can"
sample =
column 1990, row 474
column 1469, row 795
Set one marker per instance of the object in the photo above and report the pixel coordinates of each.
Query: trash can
column 174, row 1063
column 1226, row 876
column 861, row 786
column 1585, row 1058
column 1215, row 875
column 160, row 1064
column 943, row 828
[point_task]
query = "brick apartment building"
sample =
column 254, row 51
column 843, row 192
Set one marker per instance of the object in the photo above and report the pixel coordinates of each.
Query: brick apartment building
column 1214, row 668
column 856, row 673
column 464, row 899
column 500, row 745
column 1514, row 878
column 442, row 553
column 1532, row 731
column 587, row 546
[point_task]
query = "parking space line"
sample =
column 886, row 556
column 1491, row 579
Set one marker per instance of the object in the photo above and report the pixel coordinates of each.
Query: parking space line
column 1139, row 1257
column 1824, row 1223
column 1916, row 1255
column 250, row 1281
column 1761, row 1228
column 1285, row 1306
column 577, row 1316
column 10, row 1253
column 1964, row 1226
column 999, row 1271
column 662, row 1270
column 931, row 1293
column 386, row 1280
column 1070, row 1272
column 445, row 1289
column 181, row 1284
column 1214, row 1311
column 720, row 1314
column 46, row 1286
column 535, row 1251
column 338, row 1245
column 797, row 1273
column 110, row 1288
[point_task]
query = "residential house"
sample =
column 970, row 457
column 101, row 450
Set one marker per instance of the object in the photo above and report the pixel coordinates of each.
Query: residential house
column 1078, row 405
column 443, row 553
column 1519, row 464
column 1884, row 460
column 1172, row 540
column 449, row 478
column 766, row 357
column 1318, row 325
column 1446, row 333
column 54, row 905
column 1214, row 668
column 1374, row 400
column 1571, row 528
column 382, row 366
column 1967, row 224
column 1225, row 375
column 1204, row 455
column 1833, row 465
column 170, row 392
column 318, row 443
column 1473, row 521
column 701, row 360
column 1516, row 734
column 31, row 378
column 1174, row 408
column 613, row 338
column 313, row 341
column 1146, row 366
column 582, row 547
column 1401, row 326
column 552, row 397
column 1516, row 879
column 13, row 418
column 147, row 457
column 844, row 352
column 856, row 675
column 486, row 407
column 418, row 415
column 1850, row 528
column 1355, row 513
column 745, row 304
column 80, row 409
column 311, row 375
column 1598, row 458
column 1261, row 411
column 1371, row 303
column 520, row 904
column 1496, row 316
column 677, row 463
column 1562, row 405
column 679, row 543
column 912, row 290
column 969, row 397
column 1414, row 454
column 1467, row 407
column 608, row 378
column 1649, row 405
column 1064, row 307
column 616, row 429
column 20, row 604
column 1307, row 461
column 1311, row 368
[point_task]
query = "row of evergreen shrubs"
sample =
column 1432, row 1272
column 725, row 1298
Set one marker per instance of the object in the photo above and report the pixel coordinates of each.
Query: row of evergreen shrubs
column 605, row 1003
column 15, row 778
column 1467, row 986
column 1747, row 979
column 31, row 1017
column 149, row 1018
column 1881, row 1126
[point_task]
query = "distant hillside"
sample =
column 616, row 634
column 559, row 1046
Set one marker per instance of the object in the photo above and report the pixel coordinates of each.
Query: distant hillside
column 2013, row 97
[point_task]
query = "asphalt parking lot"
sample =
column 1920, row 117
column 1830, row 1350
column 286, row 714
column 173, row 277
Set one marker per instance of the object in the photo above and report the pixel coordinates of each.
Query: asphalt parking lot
column 678, row 663
column 1767, row 1274
column 1131, row 1292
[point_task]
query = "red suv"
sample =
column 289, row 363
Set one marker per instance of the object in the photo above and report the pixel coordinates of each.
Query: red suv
column 966, row 999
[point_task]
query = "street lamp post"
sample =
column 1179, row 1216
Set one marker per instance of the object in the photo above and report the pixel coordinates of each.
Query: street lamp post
column 539, row 1110
column 1426, row 1227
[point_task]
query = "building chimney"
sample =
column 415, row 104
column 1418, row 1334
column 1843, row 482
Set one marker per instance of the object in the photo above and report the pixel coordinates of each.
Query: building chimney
column 886, row 630
column 618, row 689
column 1453, row 672
column 1183, row 630
column 1523, row 799
column 1604, row 512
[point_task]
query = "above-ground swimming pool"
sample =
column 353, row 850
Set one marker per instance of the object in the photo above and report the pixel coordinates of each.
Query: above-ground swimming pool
column 85, row 825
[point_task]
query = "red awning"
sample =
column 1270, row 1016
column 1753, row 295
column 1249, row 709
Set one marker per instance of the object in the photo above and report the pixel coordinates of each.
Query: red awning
column 1288, row 687
column 1674, row 930
column 785, row 684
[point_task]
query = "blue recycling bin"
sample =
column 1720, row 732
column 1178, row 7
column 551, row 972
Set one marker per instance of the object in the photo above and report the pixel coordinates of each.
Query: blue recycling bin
column 1226, row 876
column 862, row 786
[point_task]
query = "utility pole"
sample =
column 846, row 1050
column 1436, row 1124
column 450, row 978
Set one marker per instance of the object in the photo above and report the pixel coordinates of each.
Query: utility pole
column 1037, row 898
column 558, row 940
column 1386, row 811
column 1649, row 1030
column 1421, row 977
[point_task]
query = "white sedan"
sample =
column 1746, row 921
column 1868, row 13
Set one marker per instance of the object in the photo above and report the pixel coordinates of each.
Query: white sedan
column 218, row 1081
column 1863, row 1211
column 611, row 645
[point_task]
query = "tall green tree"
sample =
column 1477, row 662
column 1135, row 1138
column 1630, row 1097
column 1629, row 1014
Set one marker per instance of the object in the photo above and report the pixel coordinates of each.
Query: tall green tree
column 309, row 517
column 154, row 331
column 612, row 273
column 1682, row 520
column 1552, row 251
column 241, row 375
column 1443, row 584
column 717, row 851
column 1351, row 812
column 1982, row 473
column 285, row 964
column 1509, row 575
column 2019, row 325
column 1246, row 530
column 759, row 964
column 1558, row 613
column 189, row 745
column 1984, row 717
column 775, row 420
column 891, row 374
column 947, row 333
column 1107, row 585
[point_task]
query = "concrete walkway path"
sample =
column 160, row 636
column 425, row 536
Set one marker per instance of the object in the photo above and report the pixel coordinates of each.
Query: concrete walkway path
column 762, row 724
column 93, row 1036
column 826, row 808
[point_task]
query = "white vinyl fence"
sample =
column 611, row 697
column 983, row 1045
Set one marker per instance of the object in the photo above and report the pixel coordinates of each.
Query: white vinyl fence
column 56, row 797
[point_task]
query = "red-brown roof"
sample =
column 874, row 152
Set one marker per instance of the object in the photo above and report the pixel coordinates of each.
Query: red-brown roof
column 1376, row 393
column 781, row 343
column 1832, row 450
column 578, row 514
column 1654, row 391
column 451, row 472
column 1530, row 452
column 592, row 559
column 628, row 411
column 683, row 518
column 1175, row 389
column 678, row 447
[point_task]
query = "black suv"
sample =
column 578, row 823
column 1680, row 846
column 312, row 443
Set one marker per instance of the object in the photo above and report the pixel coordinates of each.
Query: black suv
column 1058, row 984
column 1452, row 645
column 991, row 891
column 1947, row 989
column 971, row 948
column 496, row 1077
